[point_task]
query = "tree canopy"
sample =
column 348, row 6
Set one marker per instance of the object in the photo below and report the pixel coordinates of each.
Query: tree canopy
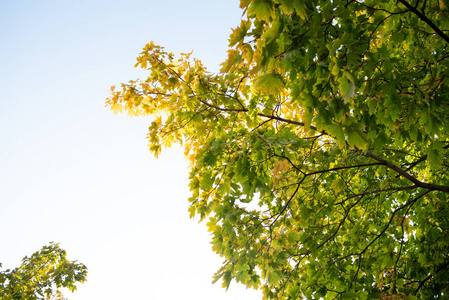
column 41, row 276
column 319, row 153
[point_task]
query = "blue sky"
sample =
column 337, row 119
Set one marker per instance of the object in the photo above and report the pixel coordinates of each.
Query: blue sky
column 73, row 172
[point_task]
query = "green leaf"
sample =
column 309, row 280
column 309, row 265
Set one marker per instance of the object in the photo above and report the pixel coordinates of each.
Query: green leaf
column 387, row 261
column 243, row 277
column 338, row 185
column 337, row 132
column 372, row 104
column 347, row 88
column 434, row 154
column 269, row 84
column 261, row 9
column 356, row 136
column 231, row 217
column 290, row 6
column 273, row 277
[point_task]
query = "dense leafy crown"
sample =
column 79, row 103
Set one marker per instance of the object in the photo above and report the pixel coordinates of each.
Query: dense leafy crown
column 41, row 276
column 319, row 153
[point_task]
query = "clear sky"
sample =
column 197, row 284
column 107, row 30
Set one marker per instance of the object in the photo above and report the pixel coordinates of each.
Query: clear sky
column 73, row 172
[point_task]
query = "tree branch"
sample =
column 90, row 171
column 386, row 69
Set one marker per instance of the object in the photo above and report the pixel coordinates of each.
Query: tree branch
column 403, row 173
column 343, row 167
column 421, row 159
column 425, row 19
column 391, row 219
column 442, row 267
column 272, row 117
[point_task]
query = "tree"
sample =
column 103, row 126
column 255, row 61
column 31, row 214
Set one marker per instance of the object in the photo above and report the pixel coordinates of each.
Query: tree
column 319, row 153
column 41, row 275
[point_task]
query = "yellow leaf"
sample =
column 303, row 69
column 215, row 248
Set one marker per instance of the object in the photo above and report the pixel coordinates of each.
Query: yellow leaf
column 143, row 64
column 117, row 108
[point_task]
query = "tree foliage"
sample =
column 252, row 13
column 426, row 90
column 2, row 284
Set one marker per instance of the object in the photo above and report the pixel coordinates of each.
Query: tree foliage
column 41, row 275
column 319, row 153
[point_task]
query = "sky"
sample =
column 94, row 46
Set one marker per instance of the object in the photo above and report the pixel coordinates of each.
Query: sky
column 73, row 172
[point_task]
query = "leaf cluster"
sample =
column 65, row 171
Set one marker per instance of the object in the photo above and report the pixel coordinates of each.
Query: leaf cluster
column 319, row 153
column 42, row 275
